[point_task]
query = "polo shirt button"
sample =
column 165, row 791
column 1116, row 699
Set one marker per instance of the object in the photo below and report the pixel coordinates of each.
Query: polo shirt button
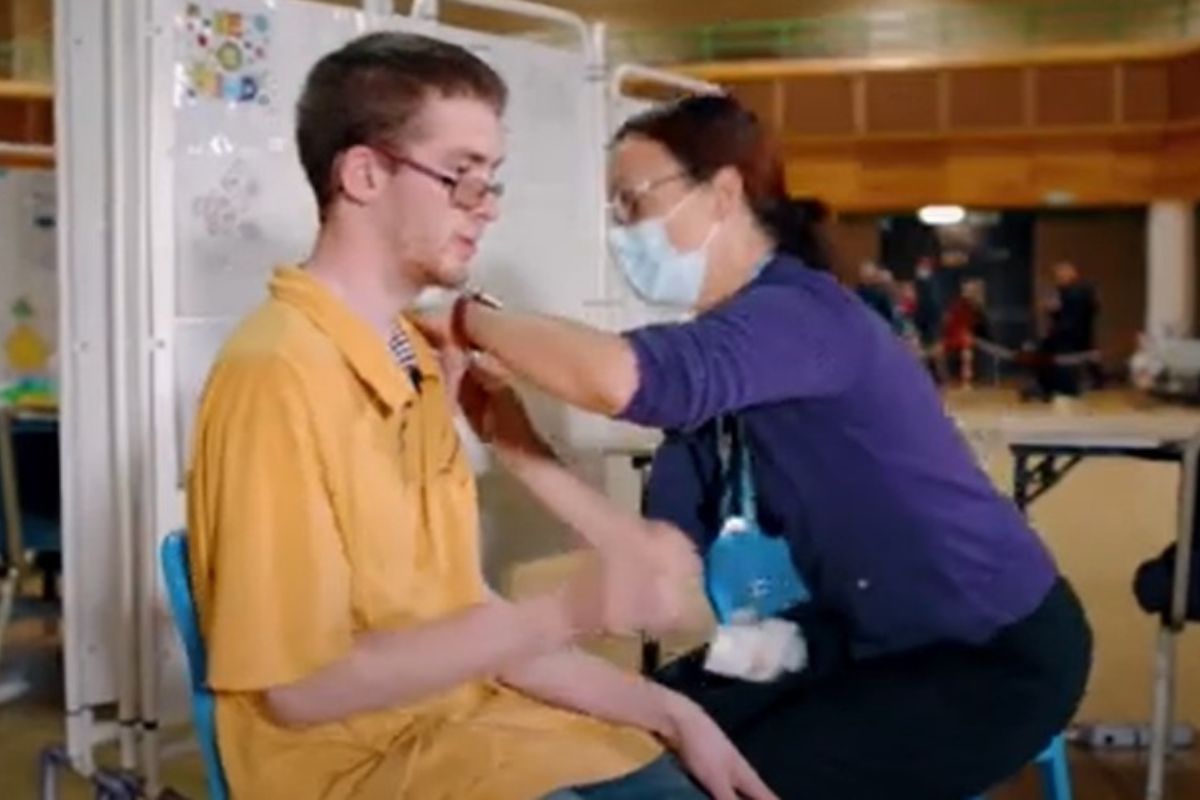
column 863, row 584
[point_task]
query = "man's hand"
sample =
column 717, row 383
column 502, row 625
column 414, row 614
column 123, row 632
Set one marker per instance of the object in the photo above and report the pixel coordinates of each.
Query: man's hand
column 709, row 756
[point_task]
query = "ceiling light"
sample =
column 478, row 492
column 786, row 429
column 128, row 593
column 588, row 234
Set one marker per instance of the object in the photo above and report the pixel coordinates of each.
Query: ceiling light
column 942, row 215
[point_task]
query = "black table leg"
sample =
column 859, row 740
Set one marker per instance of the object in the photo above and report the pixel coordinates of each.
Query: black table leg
column 1021, row 481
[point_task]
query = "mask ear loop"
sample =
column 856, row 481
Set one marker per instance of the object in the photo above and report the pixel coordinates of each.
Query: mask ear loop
column 712, row 232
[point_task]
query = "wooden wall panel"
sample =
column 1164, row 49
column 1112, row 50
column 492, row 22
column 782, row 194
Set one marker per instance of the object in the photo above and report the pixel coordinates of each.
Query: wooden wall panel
column 1146, row 93
column 902, row 102
column 819, row 105
column 6, row 35
column 1004, row 172
column 39, row 123
column 1185, row 87
column 980, row 175
column 1179, row 166
column 987, row 98
column 13, row 122
column 1076, row 94
column 759, row 97
column 1095, row 88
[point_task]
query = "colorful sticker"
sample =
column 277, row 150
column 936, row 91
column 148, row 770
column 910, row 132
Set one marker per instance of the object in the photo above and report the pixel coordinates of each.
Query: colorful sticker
column 227, row 55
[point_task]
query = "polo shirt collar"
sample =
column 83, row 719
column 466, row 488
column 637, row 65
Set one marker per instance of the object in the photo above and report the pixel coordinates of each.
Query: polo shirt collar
column 365, row 350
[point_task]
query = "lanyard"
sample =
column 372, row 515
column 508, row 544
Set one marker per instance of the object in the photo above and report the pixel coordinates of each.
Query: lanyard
column 738, row 498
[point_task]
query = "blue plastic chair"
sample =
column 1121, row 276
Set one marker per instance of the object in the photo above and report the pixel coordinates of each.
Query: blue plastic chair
column 1056, row 774
column 177, row 573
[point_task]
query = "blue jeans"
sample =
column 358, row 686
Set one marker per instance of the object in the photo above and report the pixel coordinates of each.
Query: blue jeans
column 661, row 779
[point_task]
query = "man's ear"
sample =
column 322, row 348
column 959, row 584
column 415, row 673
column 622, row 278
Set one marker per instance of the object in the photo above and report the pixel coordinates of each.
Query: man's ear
column 359, row 175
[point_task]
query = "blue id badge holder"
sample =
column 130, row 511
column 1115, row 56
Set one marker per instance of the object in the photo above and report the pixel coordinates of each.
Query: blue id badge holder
column 749, row 576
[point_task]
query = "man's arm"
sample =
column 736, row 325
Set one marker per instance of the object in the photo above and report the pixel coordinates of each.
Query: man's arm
column 575, row 680
column 390, row 668
column 589, row 685
column 385, row 669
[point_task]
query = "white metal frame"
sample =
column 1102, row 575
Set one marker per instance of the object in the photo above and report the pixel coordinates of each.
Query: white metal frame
column 117, row 74
column 84, row 382
column 662, row 77
column 1165, row 658
column 431, row 10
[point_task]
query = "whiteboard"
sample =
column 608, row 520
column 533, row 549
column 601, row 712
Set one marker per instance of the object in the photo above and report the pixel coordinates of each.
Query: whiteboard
column 231, row 203
column 242, row 204
column 28, row 263
column 236, row 204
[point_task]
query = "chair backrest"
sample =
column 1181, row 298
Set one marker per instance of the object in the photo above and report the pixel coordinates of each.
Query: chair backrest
column 177, row 573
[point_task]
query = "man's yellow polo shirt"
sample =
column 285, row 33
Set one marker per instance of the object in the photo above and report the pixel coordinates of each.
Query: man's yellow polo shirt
column 328, row 497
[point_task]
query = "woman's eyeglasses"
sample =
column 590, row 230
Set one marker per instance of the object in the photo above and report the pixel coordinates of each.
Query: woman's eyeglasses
column 467, row 191
column 623, row 208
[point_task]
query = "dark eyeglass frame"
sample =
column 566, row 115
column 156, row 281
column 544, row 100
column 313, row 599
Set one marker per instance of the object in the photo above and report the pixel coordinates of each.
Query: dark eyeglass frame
column 467, row 191
column 622, row 208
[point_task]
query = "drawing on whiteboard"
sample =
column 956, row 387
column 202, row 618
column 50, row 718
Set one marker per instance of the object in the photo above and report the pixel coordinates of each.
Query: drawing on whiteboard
column 227, row 55
column 225, row 211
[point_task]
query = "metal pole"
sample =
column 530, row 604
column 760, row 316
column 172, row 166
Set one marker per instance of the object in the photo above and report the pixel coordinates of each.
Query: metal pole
column 127, row 693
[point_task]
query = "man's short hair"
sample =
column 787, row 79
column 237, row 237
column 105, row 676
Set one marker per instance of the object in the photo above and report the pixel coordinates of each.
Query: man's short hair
column 372, row 89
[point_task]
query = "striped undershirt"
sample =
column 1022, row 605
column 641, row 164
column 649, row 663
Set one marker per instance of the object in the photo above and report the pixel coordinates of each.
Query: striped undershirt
column 402, row 349
column 404, row 355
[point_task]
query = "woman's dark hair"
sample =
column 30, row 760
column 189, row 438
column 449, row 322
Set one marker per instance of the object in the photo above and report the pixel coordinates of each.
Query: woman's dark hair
column 707, row 133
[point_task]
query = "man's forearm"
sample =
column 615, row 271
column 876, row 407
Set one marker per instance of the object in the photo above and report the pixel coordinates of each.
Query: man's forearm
column 393, row 668
column 580, row 682
column 581, row 366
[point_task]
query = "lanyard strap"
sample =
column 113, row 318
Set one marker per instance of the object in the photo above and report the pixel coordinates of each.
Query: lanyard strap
column 738, row 497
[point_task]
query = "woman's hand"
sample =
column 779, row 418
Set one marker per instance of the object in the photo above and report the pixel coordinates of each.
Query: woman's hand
column 496, row 412
column 709, row 757
column 482, row 389
column 452, row 356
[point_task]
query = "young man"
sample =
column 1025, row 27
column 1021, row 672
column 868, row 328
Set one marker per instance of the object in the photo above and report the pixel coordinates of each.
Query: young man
column 353, row 646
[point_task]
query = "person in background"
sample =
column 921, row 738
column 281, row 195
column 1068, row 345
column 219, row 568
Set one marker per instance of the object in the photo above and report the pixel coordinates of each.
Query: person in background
column 944, row 647
column 1071, row 331
column 928, row 317
column 353, row 646
column 1073, row 323
column 873, row 290
column 965, row 324
column 906, row 314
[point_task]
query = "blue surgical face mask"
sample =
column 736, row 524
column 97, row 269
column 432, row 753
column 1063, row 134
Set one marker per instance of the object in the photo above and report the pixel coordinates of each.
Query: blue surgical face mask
column 657, row 270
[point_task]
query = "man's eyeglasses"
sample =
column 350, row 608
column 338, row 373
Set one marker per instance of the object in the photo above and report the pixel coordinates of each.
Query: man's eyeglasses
column 623, row 207
column 467, row 191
